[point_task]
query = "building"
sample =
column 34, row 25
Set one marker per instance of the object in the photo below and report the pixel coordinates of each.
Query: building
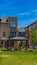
column 8, row 29
column 28, row 29
column 21, row 32
column 9, row 33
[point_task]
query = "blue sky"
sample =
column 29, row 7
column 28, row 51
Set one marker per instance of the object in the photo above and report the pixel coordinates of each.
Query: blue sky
column 24, row 10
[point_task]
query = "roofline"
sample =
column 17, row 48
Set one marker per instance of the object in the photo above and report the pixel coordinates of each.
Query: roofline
column 4, row 22
column 9, row 16
column 12, row 17
column 31, row 24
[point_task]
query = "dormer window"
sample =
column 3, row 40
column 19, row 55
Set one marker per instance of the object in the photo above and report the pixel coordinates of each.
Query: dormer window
column 7, row 20
column 4, row 33
column 0, row 20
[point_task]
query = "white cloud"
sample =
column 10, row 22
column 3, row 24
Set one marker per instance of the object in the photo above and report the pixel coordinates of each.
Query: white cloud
column 24, row 13
column 34, row 11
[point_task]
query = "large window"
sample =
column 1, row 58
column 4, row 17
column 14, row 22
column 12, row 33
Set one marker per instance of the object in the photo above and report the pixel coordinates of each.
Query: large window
column 12, row 24
column 12, row 34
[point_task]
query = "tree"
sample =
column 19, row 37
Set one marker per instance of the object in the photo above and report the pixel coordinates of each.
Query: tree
column 33, row 35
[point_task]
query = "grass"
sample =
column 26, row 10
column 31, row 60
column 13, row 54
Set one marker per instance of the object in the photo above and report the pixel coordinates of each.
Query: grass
column 18, row 58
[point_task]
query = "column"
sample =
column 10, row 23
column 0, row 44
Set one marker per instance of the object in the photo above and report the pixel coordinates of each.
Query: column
column 15, row 45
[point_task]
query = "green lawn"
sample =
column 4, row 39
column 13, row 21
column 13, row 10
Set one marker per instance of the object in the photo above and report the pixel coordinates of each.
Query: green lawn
column 18, row 58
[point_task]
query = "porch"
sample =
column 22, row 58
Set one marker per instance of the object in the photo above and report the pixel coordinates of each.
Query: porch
column 13, row 43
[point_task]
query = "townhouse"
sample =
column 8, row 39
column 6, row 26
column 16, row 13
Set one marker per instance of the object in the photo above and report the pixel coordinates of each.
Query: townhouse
column 11, row 36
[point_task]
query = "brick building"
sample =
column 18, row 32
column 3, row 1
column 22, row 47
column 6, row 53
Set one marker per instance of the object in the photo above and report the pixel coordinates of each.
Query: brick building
column 10, row 35
column 28, row 29
column 8, row 29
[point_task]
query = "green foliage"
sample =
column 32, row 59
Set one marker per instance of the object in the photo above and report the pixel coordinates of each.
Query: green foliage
column 33, row 35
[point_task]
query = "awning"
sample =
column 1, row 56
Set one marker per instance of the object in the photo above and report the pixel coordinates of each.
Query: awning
column 18, row 38
column 4, row 38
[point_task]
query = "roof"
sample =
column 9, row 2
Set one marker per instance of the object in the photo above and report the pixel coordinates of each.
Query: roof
column 21, row 30
column 18, row 38
column 3, row 18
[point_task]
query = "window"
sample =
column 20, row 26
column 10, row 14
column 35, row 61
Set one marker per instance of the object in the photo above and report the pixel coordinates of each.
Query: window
column 6, row 44
column 4, row 34
column 21, row 33
column 12, row 24
column 12, row 34
column 0, row 20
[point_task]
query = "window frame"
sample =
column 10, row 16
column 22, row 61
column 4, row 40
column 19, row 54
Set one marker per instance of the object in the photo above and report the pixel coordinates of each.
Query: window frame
column 4, row 34
column 21, row 34
column 12, row 34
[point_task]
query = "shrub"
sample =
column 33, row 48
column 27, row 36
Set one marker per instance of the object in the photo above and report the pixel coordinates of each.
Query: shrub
column 30, row 49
